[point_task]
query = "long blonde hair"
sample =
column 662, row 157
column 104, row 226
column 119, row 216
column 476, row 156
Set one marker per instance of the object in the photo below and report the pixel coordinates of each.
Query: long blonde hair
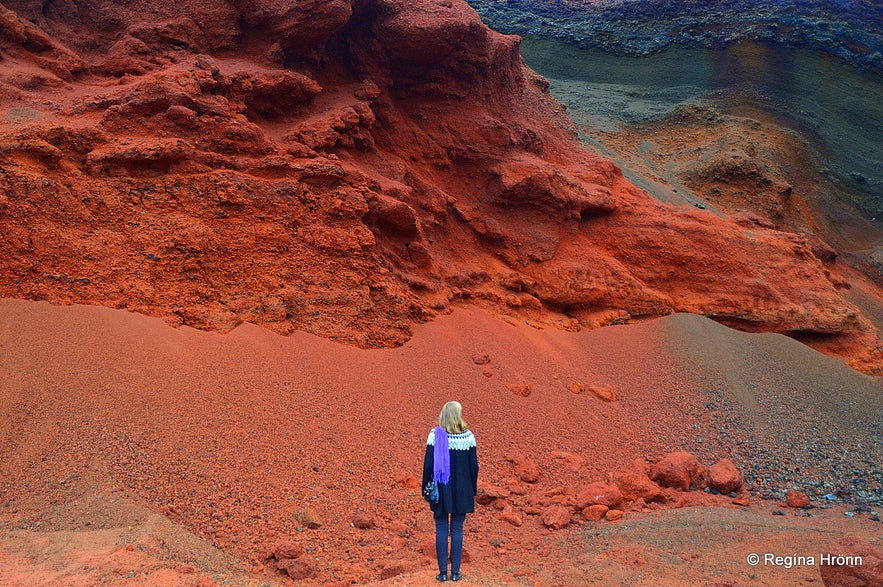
column 451, row 418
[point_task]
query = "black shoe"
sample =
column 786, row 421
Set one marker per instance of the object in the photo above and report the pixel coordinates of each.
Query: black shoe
column 442, row 577
column 455, row 576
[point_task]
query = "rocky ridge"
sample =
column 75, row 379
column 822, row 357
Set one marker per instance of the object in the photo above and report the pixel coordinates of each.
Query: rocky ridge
column 851, row 30
column 349, row 178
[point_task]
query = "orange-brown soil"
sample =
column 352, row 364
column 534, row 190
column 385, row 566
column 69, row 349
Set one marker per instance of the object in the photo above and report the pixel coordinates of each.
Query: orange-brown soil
column 133, row 451
column 350, row 177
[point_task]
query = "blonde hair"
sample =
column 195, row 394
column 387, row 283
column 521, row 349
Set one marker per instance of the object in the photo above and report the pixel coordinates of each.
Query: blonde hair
column 451, row 418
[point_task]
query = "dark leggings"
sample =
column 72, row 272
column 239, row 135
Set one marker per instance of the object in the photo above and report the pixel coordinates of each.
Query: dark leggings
column 455, row 526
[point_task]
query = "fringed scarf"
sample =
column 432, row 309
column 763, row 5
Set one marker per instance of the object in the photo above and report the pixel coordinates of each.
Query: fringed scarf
column 441, row 470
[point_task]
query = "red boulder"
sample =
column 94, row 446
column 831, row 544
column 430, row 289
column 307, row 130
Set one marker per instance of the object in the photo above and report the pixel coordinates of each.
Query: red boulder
column 526, row 469
column 679, row 470
column 598, row 493
column 635, row 484
column 725, row 477
column 796, row 499
column 556, row 517
column 593, row 513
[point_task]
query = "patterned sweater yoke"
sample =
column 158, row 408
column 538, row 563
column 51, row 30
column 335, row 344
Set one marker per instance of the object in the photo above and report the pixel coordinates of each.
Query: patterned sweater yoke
column 462, row 441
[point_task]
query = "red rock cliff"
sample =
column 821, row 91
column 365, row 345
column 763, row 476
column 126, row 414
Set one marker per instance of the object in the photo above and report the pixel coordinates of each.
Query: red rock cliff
column 347, row 168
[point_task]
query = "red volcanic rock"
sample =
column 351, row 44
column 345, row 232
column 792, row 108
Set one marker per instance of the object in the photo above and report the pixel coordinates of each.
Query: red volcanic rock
column 488, row 494
column 841, row 567
column 309, row 518
column 510, row 515
column 526, row 469
column 634, row 483
column 300, row 568
column 407, row 480
column 481, row 359
column 725, row 477
column 593, row 513
column 391, row 570
column 614, row 515
column 556, row 517
column 519, row 389
column 604, row 393
column 274, row 94
column 742, row 500
column 363, row 521
column 53, row 56
column 598, row 493
column 287, row 550
column 679, row 470
column 399, row 528
column 303, row 28
column 796, row 499
column 572, row 461
column 441, row 48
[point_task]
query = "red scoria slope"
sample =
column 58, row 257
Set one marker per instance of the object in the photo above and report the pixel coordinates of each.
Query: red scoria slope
column 348, row 168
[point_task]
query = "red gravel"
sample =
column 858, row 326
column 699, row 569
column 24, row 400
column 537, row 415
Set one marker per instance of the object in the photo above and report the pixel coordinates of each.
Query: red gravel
column 241, row 438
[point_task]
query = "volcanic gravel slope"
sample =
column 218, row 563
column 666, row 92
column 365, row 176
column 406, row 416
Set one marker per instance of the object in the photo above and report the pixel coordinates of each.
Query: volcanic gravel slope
column 243, row 438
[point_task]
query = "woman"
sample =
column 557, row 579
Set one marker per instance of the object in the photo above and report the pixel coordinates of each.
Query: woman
column 452, row 462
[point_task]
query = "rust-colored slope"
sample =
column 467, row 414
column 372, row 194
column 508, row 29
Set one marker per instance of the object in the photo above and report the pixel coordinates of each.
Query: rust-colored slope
column 347, row 169
column 233, row 436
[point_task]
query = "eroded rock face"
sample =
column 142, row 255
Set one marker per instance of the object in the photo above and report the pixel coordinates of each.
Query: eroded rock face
column 849, row 30
column 347, row 169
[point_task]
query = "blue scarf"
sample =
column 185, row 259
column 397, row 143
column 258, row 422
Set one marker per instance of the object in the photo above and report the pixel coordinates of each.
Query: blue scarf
column 441, row 458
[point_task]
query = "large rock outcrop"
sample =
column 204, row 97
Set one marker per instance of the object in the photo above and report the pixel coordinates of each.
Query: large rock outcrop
column 349, row 169
column 850, row 30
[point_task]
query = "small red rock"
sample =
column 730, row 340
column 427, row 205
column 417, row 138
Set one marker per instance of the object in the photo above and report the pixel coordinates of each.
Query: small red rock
column 407, row 480
column 519, row 389
column 796, row 499
column 309, row 518
column 679, row 470
column 185, row 569
column 613, row 515
column 556, row 517
column 363, row 521
column 599, row 493
column 576, row 388
column 526, row 469
column 742, row 500
column 635, row 484
column 288, row 549
column 725, row 477
column 299, row 568
column 572, row 461
column 513, row 517
column 604, row 393
column 488, row 494
column 400, row 529
column 593, row 513
column 392, row 570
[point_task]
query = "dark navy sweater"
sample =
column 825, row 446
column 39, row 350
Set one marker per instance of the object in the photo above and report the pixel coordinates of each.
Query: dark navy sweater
column 458, row 495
